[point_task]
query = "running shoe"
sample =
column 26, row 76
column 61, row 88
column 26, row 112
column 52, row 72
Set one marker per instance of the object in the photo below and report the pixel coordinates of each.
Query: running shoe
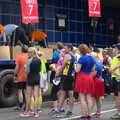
column 88, row 117
column 36, row 115
column 97, row 114
column 25, row 114
column 62, row 111
column 39, row 111
column 51, row 112
column 84, row 117
column 69, row 114
column 116, row 116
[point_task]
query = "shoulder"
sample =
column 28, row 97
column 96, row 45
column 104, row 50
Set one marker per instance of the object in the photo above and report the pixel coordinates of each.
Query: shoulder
column 87, row 57
column 36, row 59
column 29, row 60
column 19, row 57
column 81, row 60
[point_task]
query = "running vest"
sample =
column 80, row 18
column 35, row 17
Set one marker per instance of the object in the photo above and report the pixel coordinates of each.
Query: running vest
column 69, row 68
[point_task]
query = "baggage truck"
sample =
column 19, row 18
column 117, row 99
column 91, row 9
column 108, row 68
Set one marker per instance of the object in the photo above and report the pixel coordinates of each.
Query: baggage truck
column 8, row 89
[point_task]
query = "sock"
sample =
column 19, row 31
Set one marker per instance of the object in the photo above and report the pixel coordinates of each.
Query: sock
column 39, row 102
column 32, row 103
column 101, row 99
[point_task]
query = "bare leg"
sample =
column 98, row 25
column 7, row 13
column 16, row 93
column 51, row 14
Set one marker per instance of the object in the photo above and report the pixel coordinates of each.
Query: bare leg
column 84, row 108
column 55, row 103
column 36, row 96
column 20, row 96
column 71, row 101
column 98, row 104
column 61, row 99
column 89, row 99
column 24, row 98
column 28, row 96
column 117, row 102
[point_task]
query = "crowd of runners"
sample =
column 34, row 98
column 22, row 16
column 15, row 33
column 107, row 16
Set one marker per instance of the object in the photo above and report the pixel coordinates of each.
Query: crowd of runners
column 84, row 73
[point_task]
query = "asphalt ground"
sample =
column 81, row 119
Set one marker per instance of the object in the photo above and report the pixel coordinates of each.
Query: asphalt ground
column 108, row 109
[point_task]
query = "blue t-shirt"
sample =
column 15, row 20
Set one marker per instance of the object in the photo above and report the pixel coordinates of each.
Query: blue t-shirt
column 99, row 68
column 87, row 63
column 56, row 56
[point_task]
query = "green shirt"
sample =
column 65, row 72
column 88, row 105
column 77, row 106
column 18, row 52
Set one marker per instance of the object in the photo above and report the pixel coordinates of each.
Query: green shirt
column 114, row 64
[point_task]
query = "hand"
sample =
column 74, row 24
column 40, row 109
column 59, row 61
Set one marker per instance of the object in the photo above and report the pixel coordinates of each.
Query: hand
column 15, row 79
column 102, row 79
column 57, row 73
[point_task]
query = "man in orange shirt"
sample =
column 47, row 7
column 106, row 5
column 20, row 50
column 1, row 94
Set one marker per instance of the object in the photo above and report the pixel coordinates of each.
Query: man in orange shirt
column 21, row 74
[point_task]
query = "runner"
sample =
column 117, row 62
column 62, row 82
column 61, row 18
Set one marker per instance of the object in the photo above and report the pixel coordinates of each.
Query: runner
column 33, row 71
column 67, row 79
column 115, row 70
column 21, row 76
column 56, row 79
column 54, row 66
column 99, row 84
column 84, row 81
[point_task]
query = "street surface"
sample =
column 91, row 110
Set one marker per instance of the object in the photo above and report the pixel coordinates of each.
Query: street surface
column 108, row 110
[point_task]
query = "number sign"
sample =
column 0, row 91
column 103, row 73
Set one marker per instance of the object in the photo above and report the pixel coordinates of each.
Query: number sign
column 29, row 11
column 94, row 8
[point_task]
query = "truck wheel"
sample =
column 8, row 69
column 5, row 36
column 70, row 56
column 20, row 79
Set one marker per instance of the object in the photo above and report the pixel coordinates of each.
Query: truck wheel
column 8, row 92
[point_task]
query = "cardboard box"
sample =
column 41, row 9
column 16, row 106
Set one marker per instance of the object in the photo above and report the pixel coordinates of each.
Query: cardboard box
column 8, row 52
column 16, row 51
column 4, row 53
column 47, row 53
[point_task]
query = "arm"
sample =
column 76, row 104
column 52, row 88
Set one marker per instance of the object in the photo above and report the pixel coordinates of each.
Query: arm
column 27, row 67
column 79, row 64
column 17, row 61
column 65, row 61
column 78, row 68
column 94, row 73
column 16, row 69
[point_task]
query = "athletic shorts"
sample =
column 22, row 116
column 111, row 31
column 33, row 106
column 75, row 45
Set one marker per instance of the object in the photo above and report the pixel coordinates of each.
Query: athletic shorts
column 33, row 80
column 33, row 83
column 54, row 92
column 116, row 86
column 67, row 83
column 21, row 85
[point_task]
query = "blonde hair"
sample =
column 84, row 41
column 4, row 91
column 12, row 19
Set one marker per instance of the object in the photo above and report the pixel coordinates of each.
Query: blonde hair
column 97, row 56
column 32, row 51
column 94, row 54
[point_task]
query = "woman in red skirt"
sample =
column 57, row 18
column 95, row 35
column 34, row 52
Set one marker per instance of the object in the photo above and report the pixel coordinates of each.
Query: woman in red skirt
column 84, row 84
column 99, row 84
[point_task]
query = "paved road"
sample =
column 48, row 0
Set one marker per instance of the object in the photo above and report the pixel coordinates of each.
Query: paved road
column 107, row 108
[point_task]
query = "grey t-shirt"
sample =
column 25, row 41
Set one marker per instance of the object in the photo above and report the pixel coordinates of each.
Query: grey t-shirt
column 27, row 67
